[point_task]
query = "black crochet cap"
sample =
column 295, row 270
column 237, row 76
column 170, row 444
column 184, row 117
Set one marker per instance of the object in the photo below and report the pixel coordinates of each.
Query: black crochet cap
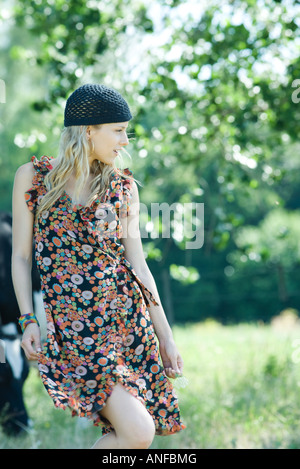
column 94, row 104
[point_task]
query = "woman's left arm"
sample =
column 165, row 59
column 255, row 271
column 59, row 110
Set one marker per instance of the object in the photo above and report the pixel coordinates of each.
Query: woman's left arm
column 132, row 242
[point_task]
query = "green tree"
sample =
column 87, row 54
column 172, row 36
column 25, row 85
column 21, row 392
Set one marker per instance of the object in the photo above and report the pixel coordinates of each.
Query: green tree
column 216, row 119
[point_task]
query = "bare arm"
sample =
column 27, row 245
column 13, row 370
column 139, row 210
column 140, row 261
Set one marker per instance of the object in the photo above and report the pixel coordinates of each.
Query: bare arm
column 132, row 242
column 21, row 264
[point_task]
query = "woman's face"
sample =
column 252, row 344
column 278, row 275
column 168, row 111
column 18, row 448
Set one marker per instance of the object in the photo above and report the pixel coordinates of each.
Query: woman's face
column 106, row 141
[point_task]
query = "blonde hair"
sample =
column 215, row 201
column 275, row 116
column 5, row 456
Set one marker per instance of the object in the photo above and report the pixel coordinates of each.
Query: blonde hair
column 73, row 153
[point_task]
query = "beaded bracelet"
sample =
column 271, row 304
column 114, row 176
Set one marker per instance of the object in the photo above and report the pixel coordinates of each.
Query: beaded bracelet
column 26, row 319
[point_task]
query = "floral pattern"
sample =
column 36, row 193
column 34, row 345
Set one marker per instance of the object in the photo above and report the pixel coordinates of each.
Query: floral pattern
column 99, row 330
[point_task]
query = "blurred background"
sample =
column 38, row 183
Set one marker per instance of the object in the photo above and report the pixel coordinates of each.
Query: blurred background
column 214, row 87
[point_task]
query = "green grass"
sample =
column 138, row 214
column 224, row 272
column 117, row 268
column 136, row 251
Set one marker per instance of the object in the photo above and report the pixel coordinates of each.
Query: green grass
column 243, row 392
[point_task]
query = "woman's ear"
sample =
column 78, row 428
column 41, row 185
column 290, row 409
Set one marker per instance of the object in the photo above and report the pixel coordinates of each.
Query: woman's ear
column 88, row 132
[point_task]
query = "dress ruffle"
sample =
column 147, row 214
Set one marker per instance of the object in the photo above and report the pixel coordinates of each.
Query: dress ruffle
column 38, row 189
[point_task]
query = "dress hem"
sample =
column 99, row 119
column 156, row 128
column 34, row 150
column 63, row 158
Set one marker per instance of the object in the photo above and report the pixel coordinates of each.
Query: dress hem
column 77, row 410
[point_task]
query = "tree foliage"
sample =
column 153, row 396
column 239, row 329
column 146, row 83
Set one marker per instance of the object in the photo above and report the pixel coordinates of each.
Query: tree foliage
column 216, row 121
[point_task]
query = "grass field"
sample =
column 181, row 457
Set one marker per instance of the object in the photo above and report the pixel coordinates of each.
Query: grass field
column 243, row 393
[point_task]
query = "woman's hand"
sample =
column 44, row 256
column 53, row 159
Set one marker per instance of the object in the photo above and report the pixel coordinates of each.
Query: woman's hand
column 171, row 358
column 31, row 341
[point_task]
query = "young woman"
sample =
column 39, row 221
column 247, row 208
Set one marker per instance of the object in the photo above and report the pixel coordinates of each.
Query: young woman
column 101, row 357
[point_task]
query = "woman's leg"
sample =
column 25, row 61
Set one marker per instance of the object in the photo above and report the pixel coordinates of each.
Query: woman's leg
column 133, row 425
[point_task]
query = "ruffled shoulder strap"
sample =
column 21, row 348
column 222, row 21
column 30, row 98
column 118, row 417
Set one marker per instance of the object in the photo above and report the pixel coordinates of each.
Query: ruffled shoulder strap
column 127, row 189
column 127, row 172
column 41, row 168
column 120, row 192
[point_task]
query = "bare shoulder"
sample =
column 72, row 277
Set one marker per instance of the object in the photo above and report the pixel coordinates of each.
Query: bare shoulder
column 26, row 169
column 135, row 189
column 24, row 175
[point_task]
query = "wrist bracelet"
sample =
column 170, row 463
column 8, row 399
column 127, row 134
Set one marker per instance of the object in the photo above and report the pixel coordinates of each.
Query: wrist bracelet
column 26, row 319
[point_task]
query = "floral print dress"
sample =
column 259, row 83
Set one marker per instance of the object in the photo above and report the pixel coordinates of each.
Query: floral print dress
column 99, row 330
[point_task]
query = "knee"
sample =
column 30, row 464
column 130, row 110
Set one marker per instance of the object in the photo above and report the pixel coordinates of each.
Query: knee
column 140, row 436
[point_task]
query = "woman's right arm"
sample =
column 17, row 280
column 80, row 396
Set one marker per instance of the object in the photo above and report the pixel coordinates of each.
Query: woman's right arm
column 21, row 264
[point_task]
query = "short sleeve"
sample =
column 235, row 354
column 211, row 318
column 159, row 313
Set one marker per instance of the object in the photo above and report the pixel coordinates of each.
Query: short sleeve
column 38, row 189
column 126, row 195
